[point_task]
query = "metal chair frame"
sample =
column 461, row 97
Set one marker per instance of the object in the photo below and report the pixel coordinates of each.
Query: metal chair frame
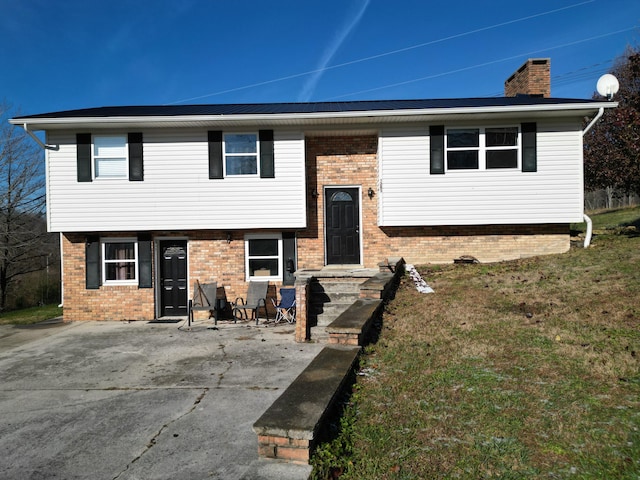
column 286, row 309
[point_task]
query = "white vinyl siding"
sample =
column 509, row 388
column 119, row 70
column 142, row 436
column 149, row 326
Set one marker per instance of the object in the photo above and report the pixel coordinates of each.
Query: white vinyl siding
column 410, row 196
column 177, row 193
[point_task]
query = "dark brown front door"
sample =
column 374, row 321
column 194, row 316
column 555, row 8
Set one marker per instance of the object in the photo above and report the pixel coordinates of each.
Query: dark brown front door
column 173, row 277
column 342, row 225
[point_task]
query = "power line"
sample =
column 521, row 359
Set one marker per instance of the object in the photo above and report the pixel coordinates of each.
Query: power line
column 380, row 55
column 485, row 64
column 575, row 76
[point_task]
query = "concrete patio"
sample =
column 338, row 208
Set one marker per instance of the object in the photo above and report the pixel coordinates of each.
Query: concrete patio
column 119, row 400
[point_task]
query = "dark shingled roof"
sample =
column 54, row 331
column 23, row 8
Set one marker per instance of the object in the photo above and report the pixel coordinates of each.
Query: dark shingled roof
column 301, row 108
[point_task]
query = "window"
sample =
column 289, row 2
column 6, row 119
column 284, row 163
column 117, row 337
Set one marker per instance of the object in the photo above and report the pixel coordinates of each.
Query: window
column 502, row 147
column 241, row 154
column 463, row 146
column 482, row 148
column 110, row 156
column 263, row 257
column 120, row 261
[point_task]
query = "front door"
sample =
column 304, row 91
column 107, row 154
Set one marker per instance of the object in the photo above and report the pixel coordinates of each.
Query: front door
column 173, row 277
column 342, row 226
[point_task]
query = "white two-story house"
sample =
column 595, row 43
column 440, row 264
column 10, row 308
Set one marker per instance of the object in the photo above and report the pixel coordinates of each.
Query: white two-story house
column 148, row 199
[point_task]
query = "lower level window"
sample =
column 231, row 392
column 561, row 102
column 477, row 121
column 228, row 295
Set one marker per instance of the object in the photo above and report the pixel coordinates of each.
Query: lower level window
column 263, row 257
column 119, row 261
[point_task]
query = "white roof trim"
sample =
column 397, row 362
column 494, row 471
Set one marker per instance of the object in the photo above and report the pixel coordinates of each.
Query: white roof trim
column 320, row 118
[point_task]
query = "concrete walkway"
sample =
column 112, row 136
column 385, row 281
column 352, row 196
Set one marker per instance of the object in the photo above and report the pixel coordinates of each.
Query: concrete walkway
column 146, row 401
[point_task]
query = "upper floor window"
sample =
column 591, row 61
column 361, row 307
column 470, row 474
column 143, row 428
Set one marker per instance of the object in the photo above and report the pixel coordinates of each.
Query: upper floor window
column 241, row 153
column 482, row 148
column 501, row 147
column 463, row 148
column 110, row 156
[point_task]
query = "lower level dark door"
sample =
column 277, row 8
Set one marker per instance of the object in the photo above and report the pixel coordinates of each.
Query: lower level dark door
column 342, row 225
column 173, row 277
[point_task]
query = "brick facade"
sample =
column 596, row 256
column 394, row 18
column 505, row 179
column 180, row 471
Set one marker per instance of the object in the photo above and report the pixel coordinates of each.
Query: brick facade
column 122, row 302
column 211, row 258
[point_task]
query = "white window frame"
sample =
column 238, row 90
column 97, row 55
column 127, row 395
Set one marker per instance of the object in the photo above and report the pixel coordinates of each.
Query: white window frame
column 95, row 158
column 240, row 154
column 483, row 149
column 104, row 262
column 247, row 258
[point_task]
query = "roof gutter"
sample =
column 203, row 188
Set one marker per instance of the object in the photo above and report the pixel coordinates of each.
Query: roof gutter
column 305, row 117
column 45, row 146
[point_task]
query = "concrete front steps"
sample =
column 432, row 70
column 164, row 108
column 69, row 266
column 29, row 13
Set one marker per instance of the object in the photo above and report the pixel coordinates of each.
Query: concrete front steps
column 331, row 291
column 296, row 422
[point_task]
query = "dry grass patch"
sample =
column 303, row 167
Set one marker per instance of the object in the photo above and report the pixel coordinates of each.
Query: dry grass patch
column 524, row 369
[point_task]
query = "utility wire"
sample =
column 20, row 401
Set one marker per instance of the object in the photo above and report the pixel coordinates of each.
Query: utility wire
column 380, row 55
column 485, row 64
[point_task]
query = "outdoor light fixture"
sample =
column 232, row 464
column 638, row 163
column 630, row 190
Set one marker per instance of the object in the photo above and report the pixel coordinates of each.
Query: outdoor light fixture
column 228, row 237
column 370, row 192
column 315, row 193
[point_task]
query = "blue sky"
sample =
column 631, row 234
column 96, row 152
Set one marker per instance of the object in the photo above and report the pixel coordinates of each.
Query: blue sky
column 67, row 54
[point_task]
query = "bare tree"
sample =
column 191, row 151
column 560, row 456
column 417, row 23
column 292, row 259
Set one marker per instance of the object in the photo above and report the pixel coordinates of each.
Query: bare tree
column 23, row 237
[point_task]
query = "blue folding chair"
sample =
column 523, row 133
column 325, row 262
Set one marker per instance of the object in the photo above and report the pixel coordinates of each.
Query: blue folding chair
column 286, row 309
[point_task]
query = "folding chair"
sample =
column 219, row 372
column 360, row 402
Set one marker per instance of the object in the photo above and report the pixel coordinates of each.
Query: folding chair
column 286, row 309
column 204, row 298
column 256, row 299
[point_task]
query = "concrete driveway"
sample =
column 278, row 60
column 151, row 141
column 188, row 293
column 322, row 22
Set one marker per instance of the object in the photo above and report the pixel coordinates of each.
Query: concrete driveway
column 136, row 400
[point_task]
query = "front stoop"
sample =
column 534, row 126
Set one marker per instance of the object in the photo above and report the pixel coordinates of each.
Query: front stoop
column 291, row 427
column 323, row 295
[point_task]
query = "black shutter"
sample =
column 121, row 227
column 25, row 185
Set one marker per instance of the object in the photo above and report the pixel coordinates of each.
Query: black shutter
column 215, row 154
column 83, row 141
column 92, row 260
column 136, row 168
column 266, row 154
column 145, row 279
column 529, row 147
column 288, row 258
column 436, row 156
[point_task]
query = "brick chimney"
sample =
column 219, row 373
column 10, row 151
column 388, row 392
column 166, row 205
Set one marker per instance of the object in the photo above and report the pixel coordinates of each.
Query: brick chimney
column 533, row 78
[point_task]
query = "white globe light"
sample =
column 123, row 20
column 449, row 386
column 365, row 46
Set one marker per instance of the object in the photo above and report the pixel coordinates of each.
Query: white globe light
column 608, row 85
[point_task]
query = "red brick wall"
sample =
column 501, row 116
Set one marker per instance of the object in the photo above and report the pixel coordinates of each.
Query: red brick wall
column 126, row 302
column 337, row 160
column 211, row 258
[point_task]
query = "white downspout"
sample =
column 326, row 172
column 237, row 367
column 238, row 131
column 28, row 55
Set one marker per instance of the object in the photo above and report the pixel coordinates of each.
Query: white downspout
column 587, row 238
column 61, row 273
column 50, row 147
column 593, row 122
column 37, row 140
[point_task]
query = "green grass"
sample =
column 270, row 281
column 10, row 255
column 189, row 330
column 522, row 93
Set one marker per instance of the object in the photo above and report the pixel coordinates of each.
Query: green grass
column 514, row 370
column 612, row 219
column 31, row 315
